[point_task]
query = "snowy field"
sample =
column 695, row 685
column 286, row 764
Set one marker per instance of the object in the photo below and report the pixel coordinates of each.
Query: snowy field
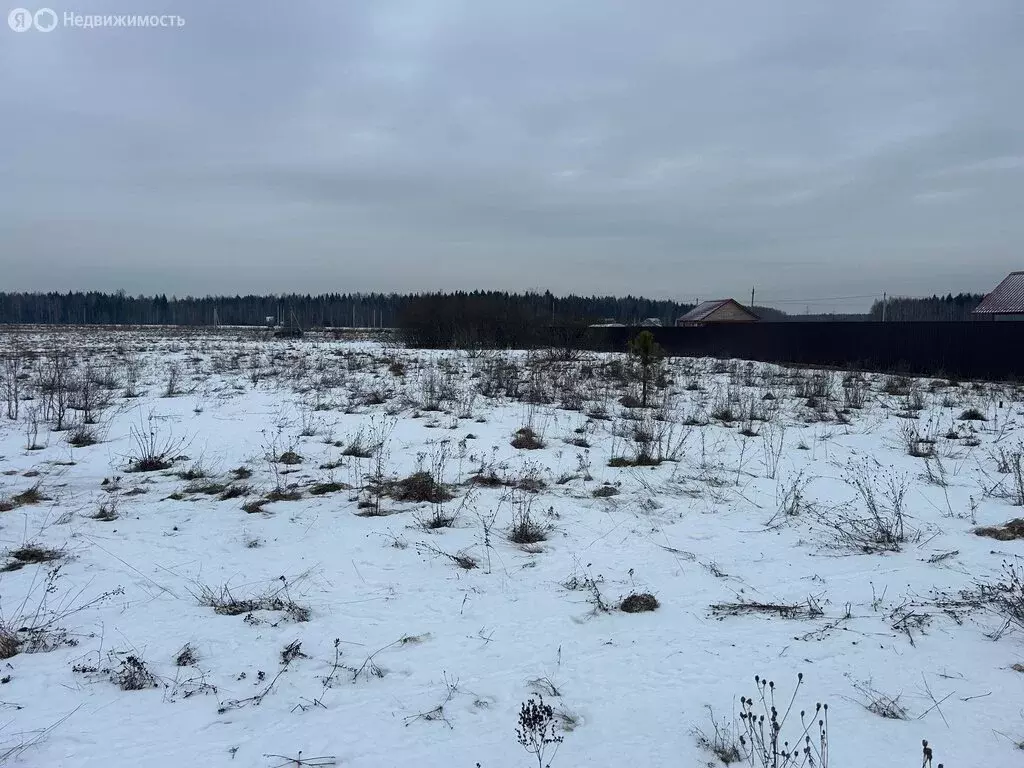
column 222, row 550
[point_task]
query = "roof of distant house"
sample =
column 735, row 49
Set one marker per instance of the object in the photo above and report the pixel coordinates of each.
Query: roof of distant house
column 1007, row 297
column 703, row 310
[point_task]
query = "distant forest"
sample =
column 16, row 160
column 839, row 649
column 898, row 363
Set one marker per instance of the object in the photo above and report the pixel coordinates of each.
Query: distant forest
column 398, row 310
column 947, row 307
column 328, row 310
column 325, row 310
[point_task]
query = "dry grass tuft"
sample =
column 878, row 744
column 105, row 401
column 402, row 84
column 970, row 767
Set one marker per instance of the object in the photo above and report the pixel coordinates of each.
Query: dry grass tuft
column 1014, row 529
column 419, row 487
column 32, row 495
column 226, row 604
column 528, row 440
column 321, row 489
column 639, row 603
column 31, row 554
column 289, row 458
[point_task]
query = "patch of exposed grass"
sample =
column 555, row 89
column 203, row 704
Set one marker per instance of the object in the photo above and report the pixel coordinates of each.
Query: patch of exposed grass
column 289, row 458
column 32, row 495
column 487, row 479
column 419, row 487
column 234, row 491
column 973, row 414
column 639, row 603
column 107, row 513
column 31, row 554
column 640, row 460
column 525, row 528
column 208, row 488
column 321, row 489
column 82, row 436
column 528, row 440
column 186, row 657
column 226, row 604
column 149, row 464
column 1014, row 529
column 283, row 494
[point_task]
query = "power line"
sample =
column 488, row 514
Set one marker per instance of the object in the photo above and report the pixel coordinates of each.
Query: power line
column 826, row 298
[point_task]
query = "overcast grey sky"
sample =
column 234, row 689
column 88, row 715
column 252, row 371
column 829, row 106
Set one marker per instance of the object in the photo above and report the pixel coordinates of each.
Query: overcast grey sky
column 669, row 148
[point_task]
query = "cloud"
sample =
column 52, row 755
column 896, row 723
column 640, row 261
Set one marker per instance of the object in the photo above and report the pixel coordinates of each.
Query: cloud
column 671, row 149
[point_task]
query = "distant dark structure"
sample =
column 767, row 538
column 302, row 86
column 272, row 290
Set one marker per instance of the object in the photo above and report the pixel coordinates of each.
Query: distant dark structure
column 717, row 311
column 290, row 330
column 1006, row 302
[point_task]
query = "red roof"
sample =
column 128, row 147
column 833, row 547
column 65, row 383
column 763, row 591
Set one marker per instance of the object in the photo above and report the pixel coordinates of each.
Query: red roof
column 1008, row 297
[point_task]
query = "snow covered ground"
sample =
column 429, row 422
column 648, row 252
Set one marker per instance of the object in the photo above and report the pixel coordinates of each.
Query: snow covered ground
column 777, row 516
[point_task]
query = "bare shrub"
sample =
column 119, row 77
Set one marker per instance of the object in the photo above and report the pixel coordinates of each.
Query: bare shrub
column 32, row 418
column 82, row 435
column 525, row 528
column 772, row 444
column 789, row 498
column 462, row 559
column 897, row 385
column 881, row 526
column 358, row 445
column 1015, row 462
column 537, row 730
column 1004, row 597
column 33, row 625
column 132, row 674
column 881, row 704
column 13, row 368
column 152, row 451
column 653, row 441
column 855, row 392
column 723, row 742
column 764, row 735
column 186, row 657
column 172, row 384
column 917, row 445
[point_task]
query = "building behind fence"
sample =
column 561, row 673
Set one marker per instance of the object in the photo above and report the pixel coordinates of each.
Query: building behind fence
column 956, row 349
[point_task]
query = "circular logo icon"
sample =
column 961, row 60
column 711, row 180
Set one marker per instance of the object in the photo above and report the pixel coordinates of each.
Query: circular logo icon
column 45, row 20
column 20, row 20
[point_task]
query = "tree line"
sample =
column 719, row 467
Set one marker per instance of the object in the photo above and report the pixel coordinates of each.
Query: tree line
column 441, row 315
column 948, row 307
column 326, row 310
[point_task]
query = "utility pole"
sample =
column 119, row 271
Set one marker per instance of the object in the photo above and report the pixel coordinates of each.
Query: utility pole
column 751, row 297
column 884, row 300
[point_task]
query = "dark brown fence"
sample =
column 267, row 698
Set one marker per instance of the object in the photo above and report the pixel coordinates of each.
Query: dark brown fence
column 980, row 350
